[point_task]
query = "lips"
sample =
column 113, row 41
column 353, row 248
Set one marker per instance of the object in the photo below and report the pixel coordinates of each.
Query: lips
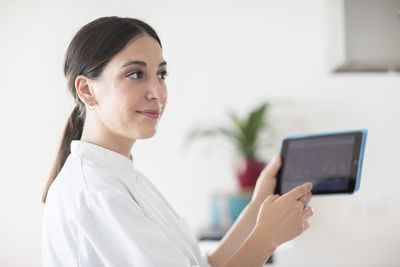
column 151, row 111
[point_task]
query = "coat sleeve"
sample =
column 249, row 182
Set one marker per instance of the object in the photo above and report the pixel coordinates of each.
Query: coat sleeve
column 113, row 231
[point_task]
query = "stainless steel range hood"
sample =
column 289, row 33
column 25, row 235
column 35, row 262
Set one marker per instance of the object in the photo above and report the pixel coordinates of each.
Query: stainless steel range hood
column 372, row 36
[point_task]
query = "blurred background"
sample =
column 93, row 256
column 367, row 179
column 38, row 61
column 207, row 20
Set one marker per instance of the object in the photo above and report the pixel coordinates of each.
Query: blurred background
column 221, row 55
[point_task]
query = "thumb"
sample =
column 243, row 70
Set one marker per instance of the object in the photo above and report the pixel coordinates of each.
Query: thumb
column 273, row 167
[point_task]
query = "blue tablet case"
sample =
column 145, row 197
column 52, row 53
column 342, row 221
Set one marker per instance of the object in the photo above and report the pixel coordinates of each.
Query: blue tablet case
column 364, row 139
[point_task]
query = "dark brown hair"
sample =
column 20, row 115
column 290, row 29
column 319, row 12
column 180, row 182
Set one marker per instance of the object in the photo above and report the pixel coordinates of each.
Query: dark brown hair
column 90, row 50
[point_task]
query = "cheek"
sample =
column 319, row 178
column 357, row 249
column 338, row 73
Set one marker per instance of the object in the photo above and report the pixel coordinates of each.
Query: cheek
column 119, row 92
column 126, row 100
column 119, row 95
column 115, row 104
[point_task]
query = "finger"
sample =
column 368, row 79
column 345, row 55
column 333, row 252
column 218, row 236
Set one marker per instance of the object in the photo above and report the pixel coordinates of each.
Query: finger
column 273, row 167
column 308, row 196
column 300, row 205
column 301, row 190
column 306, row 225
column 308, row 212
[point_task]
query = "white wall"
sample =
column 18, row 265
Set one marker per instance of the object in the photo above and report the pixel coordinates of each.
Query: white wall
column 221, row 54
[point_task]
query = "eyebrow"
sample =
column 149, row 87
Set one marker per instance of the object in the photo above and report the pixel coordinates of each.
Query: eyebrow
column 141, row 63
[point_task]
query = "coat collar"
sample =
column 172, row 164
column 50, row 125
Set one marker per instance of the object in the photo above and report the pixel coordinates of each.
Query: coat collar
column 101, row 155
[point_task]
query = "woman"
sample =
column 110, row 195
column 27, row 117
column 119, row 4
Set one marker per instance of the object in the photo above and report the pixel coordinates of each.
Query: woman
column 100, row 210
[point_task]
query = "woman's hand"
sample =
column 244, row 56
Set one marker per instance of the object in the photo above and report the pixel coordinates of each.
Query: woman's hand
column 266, row 182
column 260, row 229
column 281, row 219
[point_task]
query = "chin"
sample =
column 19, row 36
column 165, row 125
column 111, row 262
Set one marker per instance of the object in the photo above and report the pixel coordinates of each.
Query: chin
column 147, row 135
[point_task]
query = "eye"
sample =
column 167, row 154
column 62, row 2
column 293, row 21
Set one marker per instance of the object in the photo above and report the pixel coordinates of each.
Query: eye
column 163, row 75
column 136, row 75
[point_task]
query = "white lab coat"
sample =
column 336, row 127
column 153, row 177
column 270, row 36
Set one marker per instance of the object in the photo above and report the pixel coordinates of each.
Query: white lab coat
column 100, row 211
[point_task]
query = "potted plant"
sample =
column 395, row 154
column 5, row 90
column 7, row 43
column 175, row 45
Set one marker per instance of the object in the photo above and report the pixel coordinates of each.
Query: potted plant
column 243, row 133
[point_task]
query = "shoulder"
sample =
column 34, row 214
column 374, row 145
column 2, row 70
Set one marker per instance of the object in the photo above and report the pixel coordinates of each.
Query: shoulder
column 99, row 178
column 81, row 178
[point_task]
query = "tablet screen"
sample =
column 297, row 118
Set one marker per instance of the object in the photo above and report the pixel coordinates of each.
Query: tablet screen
column 330, row 162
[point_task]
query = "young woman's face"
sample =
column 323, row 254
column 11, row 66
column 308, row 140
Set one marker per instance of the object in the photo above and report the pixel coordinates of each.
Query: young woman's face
column 132, row 83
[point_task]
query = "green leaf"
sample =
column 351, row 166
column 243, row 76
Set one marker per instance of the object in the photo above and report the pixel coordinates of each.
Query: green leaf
column 255, row 123
column 240, row 124
column 243, row 133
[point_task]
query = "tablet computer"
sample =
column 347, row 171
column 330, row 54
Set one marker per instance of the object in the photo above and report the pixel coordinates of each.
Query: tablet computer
column 331, row 161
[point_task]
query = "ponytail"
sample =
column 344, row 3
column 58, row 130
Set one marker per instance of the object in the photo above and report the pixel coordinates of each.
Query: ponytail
column 72, row 131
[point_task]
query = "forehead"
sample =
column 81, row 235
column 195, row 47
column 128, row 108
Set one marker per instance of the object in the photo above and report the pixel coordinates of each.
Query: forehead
column 144, row 48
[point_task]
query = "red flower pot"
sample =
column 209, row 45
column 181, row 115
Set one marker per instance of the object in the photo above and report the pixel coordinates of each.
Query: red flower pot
column 248, row 170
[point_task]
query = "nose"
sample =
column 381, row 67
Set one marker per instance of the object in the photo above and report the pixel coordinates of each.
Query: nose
column 157, row 89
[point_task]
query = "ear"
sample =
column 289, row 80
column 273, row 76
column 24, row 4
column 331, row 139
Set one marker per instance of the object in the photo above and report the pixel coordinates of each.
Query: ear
column 82, row 85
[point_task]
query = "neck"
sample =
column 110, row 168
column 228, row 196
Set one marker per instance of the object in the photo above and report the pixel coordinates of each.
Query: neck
column 98, row 134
